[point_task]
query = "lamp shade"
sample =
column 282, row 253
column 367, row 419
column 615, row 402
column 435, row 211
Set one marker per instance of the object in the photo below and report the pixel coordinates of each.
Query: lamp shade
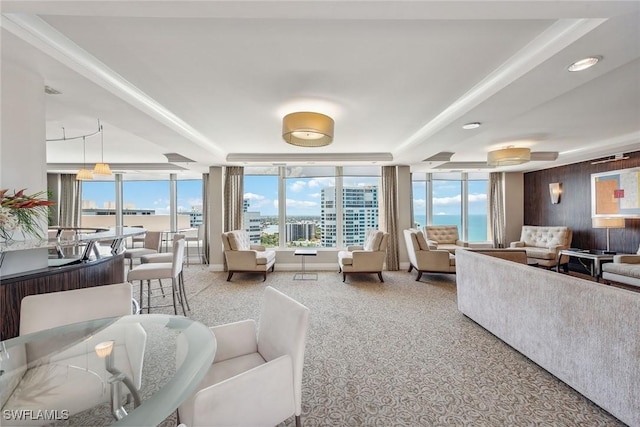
column 102, row 169
column 607, row 222
column 555, row 191
column 508, row 156
column 84, row 175
column 307, row 129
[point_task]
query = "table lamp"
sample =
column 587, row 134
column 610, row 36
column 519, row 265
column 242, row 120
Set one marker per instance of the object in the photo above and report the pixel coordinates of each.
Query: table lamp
column 608, row 223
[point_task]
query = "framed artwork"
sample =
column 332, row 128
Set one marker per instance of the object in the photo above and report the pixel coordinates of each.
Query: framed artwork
column 616, row 193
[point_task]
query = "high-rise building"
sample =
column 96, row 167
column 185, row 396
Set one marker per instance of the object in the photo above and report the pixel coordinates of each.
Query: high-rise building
column 252, row 223
column 303, row 230
column 359, row 213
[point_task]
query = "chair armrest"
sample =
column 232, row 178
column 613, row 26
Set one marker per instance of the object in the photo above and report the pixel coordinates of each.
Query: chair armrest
column 258, row 248
column 355, row 248
column 517, row 245
column 626, row 259
column 557, row 248
column 260, row 396
column 432, row 244
column 462, row 243
column 434, row 259
column 240, row 259
column 235, row 339
column 368, row 260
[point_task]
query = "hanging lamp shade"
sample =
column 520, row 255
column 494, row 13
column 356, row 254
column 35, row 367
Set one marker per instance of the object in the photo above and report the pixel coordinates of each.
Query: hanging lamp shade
column 307, row 129
column 508, row 156
column 84, row 175
column 102, row 169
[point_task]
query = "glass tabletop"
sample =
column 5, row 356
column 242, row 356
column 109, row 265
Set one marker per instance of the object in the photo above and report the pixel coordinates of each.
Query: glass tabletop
column 127, row 371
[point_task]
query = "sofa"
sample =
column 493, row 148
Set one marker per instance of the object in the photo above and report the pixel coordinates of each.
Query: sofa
column 625, row 268
column 583, row 332
column 366, row 258
column 243, row 257
column 425, row 258
column 543, row 244
column 444, row 237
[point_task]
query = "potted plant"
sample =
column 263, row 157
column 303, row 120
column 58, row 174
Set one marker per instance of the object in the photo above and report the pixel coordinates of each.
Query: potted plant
column 22, row 212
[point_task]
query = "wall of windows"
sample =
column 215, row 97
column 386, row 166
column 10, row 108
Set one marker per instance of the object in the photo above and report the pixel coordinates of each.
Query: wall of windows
column 145, row 203
column 314, row 206
column 452, row 199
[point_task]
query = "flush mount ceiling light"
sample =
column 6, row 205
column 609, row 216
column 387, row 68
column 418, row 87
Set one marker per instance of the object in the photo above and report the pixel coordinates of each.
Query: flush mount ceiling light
column 307, row 129
column 473, row 125
column 584, row 63
column 508, row 156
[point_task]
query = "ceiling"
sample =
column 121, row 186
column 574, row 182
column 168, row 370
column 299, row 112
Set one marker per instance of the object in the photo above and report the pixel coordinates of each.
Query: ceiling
column 211, row 80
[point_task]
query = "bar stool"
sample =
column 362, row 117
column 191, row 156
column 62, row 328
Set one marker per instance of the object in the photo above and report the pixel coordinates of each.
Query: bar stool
column 161, row 270
column 199, row 240
column 168, row 257
column 151, row 246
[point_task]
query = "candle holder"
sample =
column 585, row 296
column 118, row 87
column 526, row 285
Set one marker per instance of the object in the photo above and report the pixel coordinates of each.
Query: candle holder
column 105, row 350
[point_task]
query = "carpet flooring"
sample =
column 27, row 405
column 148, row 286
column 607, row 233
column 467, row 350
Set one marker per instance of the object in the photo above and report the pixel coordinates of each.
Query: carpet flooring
column 397, row 353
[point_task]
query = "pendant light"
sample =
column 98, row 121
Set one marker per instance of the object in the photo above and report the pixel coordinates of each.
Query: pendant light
column 102, row 168
column 84, row 174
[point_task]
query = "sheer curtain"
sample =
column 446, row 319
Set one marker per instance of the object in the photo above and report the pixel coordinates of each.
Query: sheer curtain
column 496, row 210
column 205, row 215
column 389, row 201
column 70, row 201
column 233, row 197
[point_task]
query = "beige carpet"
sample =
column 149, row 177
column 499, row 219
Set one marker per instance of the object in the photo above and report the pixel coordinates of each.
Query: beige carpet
column 398, row 354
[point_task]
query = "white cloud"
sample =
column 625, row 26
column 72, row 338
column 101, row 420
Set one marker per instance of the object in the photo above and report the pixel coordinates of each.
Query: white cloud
column 477, row 198
column 298, row 186
column 419, row 203
column 301, row 204
column 447, row 201
column 253, row 196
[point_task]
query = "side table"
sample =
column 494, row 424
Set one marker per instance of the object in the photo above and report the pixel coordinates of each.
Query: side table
column 597, row 258
column 304, row 275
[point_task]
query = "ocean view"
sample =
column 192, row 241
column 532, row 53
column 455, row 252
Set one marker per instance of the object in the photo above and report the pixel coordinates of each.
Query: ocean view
column 477, row 224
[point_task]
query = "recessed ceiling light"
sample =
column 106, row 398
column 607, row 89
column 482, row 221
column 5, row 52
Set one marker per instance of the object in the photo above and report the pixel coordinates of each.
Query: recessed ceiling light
column 473, row 125
column 585, row 63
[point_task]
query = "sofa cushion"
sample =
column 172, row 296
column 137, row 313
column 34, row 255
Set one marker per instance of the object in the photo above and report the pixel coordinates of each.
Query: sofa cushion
column 630, row 270
column 264, row 258
column 422, row 242
column 545, row 237
column 372, row 240
column 442, row 233
column 540, row 253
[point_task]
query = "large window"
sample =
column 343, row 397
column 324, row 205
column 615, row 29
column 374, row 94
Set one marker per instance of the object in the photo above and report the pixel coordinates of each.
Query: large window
column 98, row 204
column 452, row 199
column 189, row 201
column 320, row 206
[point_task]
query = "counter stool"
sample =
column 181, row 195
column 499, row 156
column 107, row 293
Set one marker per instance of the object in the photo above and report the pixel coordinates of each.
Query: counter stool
column 158, row 271
column 168, row 257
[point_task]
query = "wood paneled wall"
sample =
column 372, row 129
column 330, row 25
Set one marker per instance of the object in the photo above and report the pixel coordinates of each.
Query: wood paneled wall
column 574, row 209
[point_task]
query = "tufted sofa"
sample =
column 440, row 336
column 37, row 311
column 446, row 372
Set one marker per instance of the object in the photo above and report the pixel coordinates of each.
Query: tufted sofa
column 625, row 268
column 543, row 243
column 445, row 237
column 243, row 257
column 367, row 258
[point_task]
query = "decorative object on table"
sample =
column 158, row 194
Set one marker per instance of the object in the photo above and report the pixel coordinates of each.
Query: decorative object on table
column 608, row 223
column 22, row 212
column 105, row 350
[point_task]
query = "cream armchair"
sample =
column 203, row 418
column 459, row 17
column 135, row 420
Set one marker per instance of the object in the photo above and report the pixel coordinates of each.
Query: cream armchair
column 243, row 257
column 444, row 237
column 368, row 258
column 256, row 376
column 544, row 243
column 424, row 258
column 625, row 268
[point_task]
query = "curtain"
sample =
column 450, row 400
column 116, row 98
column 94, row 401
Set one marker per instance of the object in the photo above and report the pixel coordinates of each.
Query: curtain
column 70, row 201
column 205, row 215
column 233, row 198
column 389, row 201
column 496, row 211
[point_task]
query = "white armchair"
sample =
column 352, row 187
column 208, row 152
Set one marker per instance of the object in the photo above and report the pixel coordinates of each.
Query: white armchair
column 367, row 258
column 424, row 258
column 243, row 257
column 256, row 376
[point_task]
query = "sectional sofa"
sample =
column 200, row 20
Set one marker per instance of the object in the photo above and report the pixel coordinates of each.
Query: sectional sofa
column 585, row 333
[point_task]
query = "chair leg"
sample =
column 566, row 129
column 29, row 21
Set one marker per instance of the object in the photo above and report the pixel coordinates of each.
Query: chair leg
column 184, row 291
column 148, row 296
column 229, row 276
column 173, row 289
column 298, row 421
column 410, row 268
column 141, row 296
column 264, row 278
column 419, row 276
column 344, row 276
column 380, row 276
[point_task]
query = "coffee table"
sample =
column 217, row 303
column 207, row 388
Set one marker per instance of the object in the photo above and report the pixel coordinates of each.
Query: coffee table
column 597, row 258
column 304, row 253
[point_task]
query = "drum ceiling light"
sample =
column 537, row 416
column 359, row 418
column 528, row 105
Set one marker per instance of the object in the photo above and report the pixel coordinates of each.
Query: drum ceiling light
column 508, row 156
column 307, row 129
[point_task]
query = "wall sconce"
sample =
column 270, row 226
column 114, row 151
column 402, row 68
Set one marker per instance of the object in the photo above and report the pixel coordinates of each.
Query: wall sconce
column 555, row 191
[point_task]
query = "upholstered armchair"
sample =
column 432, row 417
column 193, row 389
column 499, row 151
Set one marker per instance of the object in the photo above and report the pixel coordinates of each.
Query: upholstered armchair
column 444, row 237
column 424, row 258
column 625, row 268
column 243, row 257
column 366, row 258
column 543, row 244
column 256, row 376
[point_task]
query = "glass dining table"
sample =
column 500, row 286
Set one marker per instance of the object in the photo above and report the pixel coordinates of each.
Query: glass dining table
column 125, row 371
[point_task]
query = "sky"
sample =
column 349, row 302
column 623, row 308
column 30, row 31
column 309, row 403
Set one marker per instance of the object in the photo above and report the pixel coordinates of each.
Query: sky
column 303, row 194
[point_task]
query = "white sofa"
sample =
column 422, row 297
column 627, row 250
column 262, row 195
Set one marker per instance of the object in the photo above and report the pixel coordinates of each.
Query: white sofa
column 585, row 333
column 242, row 256
column 625, row 268
column 544, row 243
